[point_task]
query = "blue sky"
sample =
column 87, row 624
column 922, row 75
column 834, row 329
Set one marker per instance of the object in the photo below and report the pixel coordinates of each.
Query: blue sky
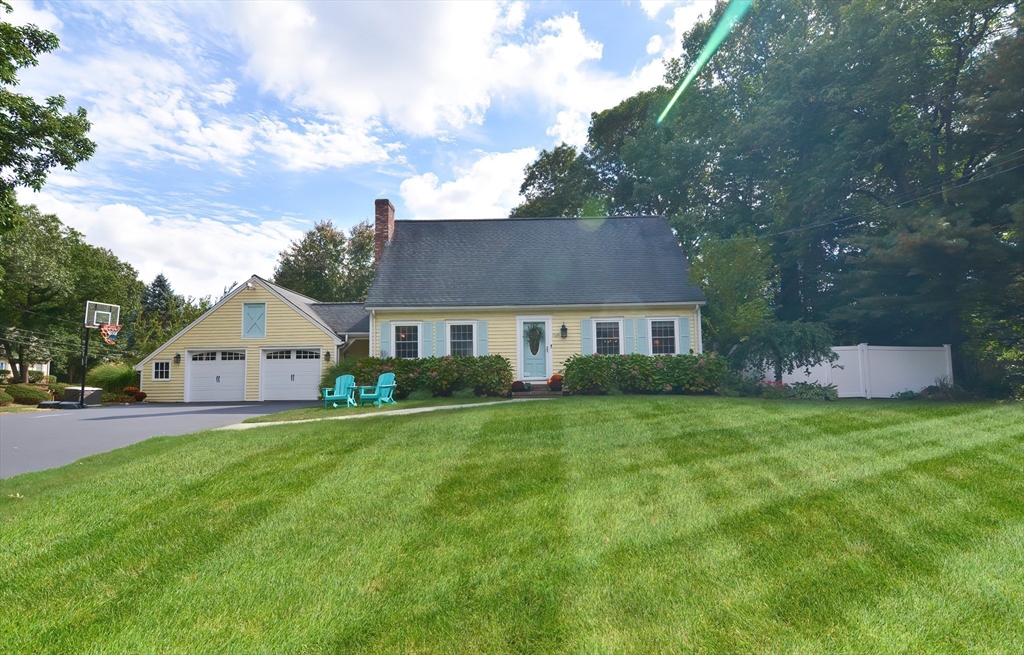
column 225, row 130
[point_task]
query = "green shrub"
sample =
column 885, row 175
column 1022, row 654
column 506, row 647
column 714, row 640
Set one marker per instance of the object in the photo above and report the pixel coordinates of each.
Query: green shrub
column 112, row 377
column 602, row 374
column 813, row 391
column 588, row 374
column 4, row 374
column 56, row 390
column 336, row 370
column 695, row 373
column 775, row 391
column 906, row 395
column 26, row 394
column 638, row 374
column 35, row 377
column 737, row 386
column 489, row 375
column 420, row 394
column 463, row 393
column 5, row 399
column 118, row 397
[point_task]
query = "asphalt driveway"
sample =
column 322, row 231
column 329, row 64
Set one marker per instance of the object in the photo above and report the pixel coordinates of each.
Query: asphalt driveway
column 34, row 441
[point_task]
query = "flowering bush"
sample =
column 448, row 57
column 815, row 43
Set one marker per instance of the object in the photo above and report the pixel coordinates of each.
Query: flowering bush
column 597, row 374
column 489, row 375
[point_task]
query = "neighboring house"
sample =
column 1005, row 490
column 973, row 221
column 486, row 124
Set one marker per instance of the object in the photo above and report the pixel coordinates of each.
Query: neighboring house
column 475, row 287
column 42, row 367
column 534, row 290
column 260, row 342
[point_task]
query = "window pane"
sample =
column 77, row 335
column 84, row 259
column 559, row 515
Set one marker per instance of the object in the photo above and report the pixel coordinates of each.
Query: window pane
column 279, row 354
column 461, row 337
column 307, row 354
column 161, row 370
column 231, row 355
column 607, row 338
column 204, row 357
column 407, row 341
column 663, row 337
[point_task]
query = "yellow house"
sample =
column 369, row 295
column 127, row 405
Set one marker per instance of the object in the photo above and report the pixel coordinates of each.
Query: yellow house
column 260, row 342
column 534, row 290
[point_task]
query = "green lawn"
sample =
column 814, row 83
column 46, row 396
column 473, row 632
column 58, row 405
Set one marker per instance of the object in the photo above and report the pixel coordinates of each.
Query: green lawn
column 319, row 411
column 582, row 525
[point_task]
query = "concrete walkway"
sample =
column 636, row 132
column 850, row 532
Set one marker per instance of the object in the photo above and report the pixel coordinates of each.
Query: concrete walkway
column 395, row 412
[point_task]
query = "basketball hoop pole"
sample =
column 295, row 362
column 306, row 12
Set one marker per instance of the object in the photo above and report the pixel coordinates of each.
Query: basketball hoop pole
column 85, row 365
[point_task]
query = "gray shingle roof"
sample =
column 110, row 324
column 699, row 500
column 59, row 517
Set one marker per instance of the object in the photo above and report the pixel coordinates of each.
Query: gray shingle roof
column 339, row 317
column 535, row 261
column 344, row 317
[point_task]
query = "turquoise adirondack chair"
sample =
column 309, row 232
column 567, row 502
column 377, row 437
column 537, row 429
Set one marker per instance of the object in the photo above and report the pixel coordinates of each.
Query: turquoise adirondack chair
column 344, row 391
column 380, row 394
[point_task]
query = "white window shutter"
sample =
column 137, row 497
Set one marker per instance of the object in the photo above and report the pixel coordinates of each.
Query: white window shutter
column 586, row 337
column 481, row 338
column 385, row 340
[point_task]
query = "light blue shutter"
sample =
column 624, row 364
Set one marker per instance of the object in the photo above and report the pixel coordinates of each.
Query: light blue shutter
column 684, row 335
column 641, row 337
column 439, row 336
column 628, row 337
column 586, row 337
column 481, row 338
column 385, row 340
column 427, row 338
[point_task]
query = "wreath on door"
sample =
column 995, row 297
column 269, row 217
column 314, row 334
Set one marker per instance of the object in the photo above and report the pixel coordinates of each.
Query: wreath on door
column 534, row 333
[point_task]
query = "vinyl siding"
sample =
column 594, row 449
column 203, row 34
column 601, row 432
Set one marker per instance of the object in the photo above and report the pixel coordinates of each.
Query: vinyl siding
column 222, row 329
column 501, row 325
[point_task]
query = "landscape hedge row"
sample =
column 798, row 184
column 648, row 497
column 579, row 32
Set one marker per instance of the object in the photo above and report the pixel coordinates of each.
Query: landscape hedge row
column 26, row 394
column 489, row 375
column 601, row 374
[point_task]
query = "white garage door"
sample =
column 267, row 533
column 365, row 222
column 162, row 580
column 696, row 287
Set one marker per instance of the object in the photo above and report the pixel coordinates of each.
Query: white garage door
column 291, row 374
column 216, row 375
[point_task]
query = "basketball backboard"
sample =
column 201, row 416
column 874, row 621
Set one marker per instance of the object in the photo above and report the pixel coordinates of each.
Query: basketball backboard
column 101, row 313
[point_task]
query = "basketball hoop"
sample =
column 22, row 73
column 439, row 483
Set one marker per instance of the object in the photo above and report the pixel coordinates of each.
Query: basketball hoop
column 109, row 333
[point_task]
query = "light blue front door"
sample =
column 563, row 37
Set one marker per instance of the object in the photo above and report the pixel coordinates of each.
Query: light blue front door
column 535, row 354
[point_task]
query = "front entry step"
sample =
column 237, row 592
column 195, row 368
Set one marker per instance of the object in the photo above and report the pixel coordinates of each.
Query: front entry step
column 537, row 392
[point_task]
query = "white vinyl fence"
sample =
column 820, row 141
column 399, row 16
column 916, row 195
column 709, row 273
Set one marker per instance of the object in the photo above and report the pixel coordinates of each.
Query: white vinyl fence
column 865, row 371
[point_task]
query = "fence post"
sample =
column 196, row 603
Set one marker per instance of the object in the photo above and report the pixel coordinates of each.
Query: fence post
column 865, row 377
column 949, row 361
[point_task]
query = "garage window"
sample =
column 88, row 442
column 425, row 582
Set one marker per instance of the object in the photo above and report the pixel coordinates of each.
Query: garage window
column 231, row 355
column 279, row 354
column 205, row 357
column 254, row 320
column 161, row 370
column 307, row 354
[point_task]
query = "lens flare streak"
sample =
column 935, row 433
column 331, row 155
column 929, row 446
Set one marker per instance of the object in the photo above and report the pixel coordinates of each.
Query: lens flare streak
column 733, row 13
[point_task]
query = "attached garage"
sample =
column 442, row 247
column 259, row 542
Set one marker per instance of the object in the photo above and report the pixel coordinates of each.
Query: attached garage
column 215, row 376
column 290, row 373
column 259, row 342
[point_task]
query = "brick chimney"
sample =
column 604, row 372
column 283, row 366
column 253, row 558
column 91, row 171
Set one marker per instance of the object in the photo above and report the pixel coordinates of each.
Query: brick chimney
column 383, row 226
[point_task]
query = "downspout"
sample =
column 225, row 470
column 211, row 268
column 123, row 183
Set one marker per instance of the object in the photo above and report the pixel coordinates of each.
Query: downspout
column 700, row 331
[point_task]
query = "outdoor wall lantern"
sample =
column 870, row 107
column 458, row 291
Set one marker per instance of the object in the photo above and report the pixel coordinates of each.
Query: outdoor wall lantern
column 327, row 356
column 564, row 331
column 177, row 358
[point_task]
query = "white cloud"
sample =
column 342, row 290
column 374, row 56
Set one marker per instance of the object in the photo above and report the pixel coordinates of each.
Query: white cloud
column 423, row 67
column 489, row 188
column 318, row 145
column 26, row 13
column 200, row 256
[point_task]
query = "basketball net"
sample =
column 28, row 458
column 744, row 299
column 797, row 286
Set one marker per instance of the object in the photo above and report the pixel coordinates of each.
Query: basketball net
column 109, row 333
